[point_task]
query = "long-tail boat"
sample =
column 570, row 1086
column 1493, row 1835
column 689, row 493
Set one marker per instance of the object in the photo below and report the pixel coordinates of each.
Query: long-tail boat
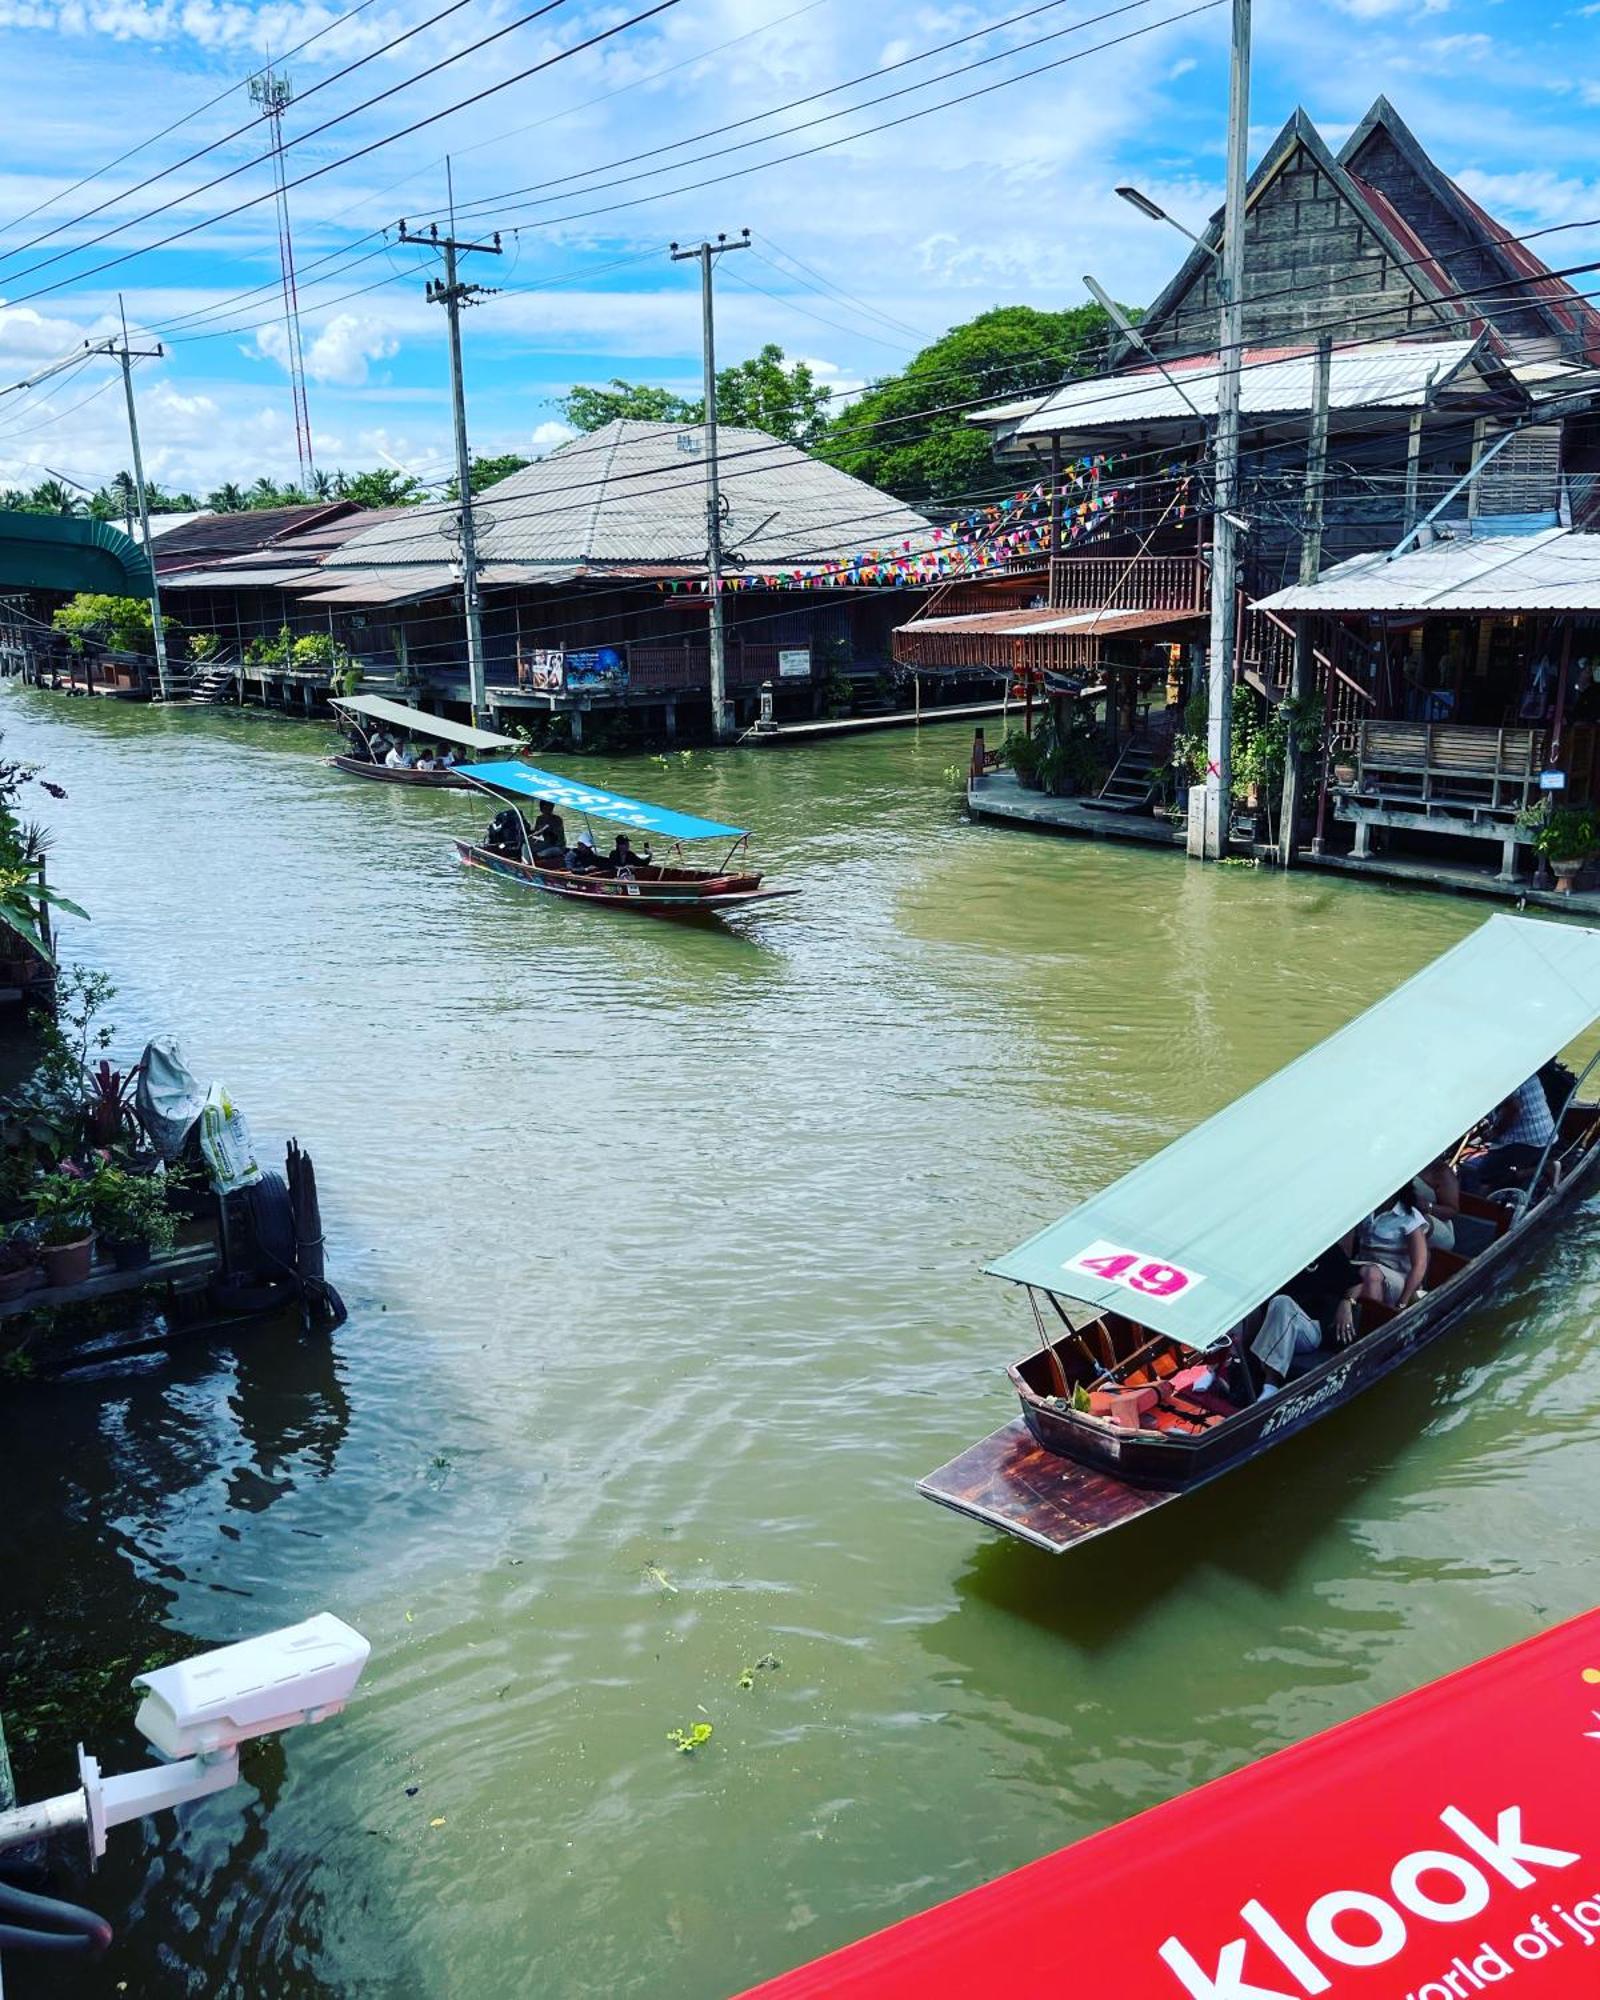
column 658, row 888
column 1138, row 1292
column 414, row 725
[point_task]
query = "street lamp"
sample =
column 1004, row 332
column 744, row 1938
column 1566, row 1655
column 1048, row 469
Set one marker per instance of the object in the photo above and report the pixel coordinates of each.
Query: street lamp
column 1125, row 326
column 1157, row 213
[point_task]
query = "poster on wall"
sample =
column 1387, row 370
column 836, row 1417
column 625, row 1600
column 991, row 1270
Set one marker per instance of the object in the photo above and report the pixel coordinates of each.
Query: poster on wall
column 598, row 667
column 541, row 669
column 794, row 664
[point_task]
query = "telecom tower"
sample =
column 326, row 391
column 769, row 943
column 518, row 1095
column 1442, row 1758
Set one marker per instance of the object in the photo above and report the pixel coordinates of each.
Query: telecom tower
column 274, row 94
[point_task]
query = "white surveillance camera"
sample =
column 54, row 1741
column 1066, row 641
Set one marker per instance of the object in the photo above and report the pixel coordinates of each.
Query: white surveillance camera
column 218, row 1700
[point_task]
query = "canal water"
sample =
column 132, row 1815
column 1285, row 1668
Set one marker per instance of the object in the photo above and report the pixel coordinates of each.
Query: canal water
column 663, row 1249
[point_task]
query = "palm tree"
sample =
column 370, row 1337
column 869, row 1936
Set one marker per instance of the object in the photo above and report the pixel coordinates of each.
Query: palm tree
column 321, row 486
column 51, row 496
column 264, row 494
column 228, row 499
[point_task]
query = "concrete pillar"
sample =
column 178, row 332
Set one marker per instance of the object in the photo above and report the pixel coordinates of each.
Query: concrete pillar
column 669, row 718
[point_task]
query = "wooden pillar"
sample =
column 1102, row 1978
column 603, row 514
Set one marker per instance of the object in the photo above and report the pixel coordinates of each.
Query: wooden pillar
column 1318, row 842
column 1552, row 755
column 1301, row 679
column 1413, row 471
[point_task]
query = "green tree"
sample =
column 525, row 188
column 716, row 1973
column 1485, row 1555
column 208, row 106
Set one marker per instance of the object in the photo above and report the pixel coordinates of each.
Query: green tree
column 904, row 437
column 53, row 496
column 488, row 472
column 382, row 487
column 587, row 409
column 122, row 623
column 769, row 393
column 227, row 499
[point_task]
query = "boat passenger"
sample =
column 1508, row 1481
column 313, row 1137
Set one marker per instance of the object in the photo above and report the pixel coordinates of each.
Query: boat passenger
column 427, row 762
column 622, row 856
column 549, row 836
column 1437, row 1192
column 359, row 749
column 1392, row 1250
column 1521, row 1129
column 401, row 758
column 582, row 859
column 1317, row 1306
column 446, row 760
column 505, row 834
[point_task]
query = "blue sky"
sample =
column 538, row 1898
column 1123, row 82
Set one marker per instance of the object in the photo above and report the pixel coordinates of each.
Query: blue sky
column 864, row 250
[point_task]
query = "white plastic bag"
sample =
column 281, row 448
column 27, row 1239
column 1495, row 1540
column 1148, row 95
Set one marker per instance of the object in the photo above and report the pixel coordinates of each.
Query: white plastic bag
column 225, row 1143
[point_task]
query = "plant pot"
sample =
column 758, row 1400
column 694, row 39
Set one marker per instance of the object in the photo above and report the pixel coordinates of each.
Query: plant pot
column 1344, row 775
column 67, row 1263
column 1567, row 872
column 14, row 1283
column 128, row 1253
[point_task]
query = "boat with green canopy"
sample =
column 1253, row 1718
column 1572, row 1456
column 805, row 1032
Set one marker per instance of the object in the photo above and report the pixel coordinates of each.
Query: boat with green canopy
column 515, row 851
column 1148, row 1298
column 369, row 718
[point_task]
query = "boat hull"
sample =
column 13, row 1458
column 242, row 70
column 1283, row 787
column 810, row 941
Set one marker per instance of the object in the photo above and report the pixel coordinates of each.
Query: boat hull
column 385, row 774
column 1164, row 1461
column 683, row 892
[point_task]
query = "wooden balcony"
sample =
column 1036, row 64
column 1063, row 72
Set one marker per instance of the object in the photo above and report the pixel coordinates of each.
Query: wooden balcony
column 1129, row 583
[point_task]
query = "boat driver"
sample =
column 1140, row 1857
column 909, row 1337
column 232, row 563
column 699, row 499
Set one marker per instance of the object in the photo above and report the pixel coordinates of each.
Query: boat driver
column 622, row 856
column 549, row 836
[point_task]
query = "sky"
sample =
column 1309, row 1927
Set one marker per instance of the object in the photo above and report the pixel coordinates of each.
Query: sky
column 863, row 251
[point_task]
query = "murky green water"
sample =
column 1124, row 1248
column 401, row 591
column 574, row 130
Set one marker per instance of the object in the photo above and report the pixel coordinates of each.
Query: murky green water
column 663, row 1249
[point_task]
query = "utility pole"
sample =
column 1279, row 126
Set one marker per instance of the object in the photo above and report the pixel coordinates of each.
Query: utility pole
column 453, row 295
column 706, row 255
column 274, row 93
column 121, row 351
column 1301, row 677
column 1225, row 532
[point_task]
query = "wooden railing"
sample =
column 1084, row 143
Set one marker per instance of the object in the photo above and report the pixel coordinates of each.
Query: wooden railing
column 1129, row 583
column 660, row 669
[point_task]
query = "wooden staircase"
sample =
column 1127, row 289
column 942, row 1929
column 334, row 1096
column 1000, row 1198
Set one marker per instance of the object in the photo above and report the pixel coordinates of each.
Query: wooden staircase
column 210, row 686
column 1135, row 778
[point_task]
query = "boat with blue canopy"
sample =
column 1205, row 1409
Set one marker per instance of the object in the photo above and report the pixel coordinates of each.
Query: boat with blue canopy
column 1152, row 1299
column 625, row 879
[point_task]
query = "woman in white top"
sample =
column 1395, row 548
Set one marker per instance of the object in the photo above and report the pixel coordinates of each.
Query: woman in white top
column 1392, row 1250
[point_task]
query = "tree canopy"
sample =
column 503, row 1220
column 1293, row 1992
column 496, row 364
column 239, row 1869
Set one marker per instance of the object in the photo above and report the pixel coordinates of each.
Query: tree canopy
column 766, row 392
column 904, row 435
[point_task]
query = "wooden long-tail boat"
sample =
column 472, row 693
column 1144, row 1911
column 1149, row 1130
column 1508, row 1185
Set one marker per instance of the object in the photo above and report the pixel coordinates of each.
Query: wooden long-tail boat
column 646, row 887
column 362, row 713
column 1138, row 1291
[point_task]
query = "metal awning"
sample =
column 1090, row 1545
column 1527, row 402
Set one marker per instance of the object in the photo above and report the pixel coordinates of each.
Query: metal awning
column 527, row 781
column 1226, row 1215
column 1036, row 624
column 1555, row 569
column 417, row 722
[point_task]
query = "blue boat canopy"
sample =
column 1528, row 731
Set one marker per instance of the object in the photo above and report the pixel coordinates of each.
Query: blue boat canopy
column 1200, row 1235
column 527, row 781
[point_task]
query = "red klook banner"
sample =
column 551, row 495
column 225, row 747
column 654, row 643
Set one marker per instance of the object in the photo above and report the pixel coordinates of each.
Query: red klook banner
column 1444, row 1846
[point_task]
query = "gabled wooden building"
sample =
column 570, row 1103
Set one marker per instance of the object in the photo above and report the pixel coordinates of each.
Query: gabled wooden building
column 1464, row 381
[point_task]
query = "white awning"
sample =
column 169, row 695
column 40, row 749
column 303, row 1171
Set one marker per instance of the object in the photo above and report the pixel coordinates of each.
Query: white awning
column 1555, row 569
column 417, row 722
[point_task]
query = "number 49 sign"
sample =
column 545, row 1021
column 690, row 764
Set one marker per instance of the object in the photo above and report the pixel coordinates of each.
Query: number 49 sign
column 1135, row 1269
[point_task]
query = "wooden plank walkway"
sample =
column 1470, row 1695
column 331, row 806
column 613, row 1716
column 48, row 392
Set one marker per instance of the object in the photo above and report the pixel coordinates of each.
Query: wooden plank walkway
column 852, row 725
column 187, row 1268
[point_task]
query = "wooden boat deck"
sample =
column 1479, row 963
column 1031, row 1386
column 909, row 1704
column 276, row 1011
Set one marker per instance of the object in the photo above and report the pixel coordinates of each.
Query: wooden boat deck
column 187, row 1268
column 1010, row 1481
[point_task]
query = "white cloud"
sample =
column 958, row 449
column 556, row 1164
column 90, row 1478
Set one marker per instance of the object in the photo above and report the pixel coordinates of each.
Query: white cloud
column 337, row 354
column 546, row 437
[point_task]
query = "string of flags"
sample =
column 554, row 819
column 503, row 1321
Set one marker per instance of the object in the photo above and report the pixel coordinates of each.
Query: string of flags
column 988, row 538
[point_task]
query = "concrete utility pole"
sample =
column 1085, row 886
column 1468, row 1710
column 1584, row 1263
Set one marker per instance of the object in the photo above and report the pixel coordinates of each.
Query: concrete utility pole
column 1310, row 564
column 706, row 255
column 453, row 295
column 1225, row 532
column 274, row 93
column 119, row 350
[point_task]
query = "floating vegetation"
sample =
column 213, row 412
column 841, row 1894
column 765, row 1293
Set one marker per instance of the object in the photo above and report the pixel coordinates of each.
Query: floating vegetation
column 688, row 1741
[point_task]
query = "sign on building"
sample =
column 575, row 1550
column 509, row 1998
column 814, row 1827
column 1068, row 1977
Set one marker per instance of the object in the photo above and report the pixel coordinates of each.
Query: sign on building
column 794, row 663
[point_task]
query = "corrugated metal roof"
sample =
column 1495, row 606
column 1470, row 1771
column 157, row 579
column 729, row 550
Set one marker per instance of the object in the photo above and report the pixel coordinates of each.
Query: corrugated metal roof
column 1396, row 375
column 242, row 576
column 405, row 585
column 1030, row 624
column 1556, row 569
column 629, row 493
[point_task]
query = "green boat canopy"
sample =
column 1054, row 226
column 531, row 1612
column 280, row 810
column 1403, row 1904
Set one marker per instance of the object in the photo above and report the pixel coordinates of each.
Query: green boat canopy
column 417, row 722
column 1195, row 1238
column 67, row 552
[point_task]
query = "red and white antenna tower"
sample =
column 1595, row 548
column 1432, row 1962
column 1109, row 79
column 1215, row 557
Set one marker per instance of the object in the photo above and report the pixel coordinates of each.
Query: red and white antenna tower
column 274, row 93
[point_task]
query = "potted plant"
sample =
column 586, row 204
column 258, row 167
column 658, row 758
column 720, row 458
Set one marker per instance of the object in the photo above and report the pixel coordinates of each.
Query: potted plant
column 132, row 1212
column 66, row 1232
column 19, row 1267
column 1567, row 837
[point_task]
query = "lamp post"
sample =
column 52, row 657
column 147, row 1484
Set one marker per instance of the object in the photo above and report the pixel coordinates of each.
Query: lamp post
column 1225, row 449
